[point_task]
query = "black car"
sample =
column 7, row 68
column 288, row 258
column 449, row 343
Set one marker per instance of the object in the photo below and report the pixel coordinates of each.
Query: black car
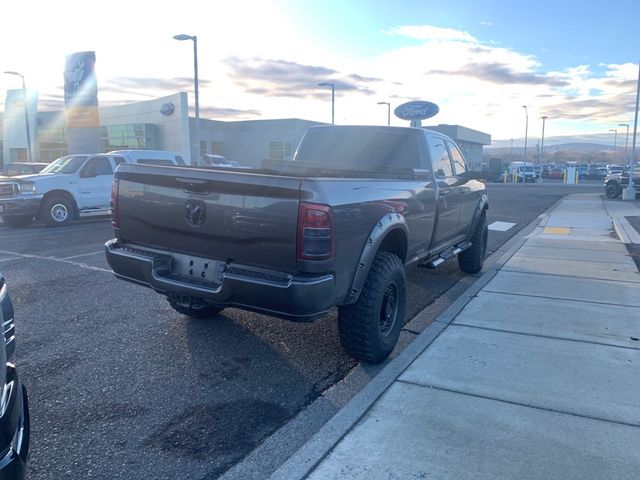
column 594, row 172
column 14, row 409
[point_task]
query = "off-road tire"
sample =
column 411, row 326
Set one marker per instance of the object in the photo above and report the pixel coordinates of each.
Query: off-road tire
column 18, row 220
column 367, row 332
column 612, row 190
column 472, row 259
column 199, row 311
column 57, row 211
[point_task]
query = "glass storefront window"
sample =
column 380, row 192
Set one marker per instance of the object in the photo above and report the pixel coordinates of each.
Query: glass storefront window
column 129, row 136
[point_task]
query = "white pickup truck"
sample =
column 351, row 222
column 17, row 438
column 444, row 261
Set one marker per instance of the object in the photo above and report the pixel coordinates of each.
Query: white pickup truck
column 70, row 187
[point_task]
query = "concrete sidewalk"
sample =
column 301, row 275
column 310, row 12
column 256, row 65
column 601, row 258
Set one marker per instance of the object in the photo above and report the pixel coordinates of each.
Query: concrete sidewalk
column 536, row 377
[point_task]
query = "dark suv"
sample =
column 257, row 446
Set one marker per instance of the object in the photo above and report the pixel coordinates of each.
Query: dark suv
column 14, row 409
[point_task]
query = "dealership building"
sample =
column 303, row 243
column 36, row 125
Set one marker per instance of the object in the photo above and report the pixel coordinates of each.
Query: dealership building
column 164, row 124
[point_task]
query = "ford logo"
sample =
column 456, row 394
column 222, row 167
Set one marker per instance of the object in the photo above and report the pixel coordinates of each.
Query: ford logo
column 167, row 109
column 419, row 110
column 195, row 212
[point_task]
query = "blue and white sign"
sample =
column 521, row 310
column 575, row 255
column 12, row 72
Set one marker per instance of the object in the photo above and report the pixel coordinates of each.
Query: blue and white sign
column 418, row 110
column 80, row 89
column 167, row 109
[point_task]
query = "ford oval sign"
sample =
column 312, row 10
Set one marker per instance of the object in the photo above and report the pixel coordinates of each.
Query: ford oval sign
column 419, row 110
column 167, row 109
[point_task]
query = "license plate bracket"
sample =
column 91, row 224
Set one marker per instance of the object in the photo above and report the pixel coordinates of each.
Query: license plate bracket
column 197, row 269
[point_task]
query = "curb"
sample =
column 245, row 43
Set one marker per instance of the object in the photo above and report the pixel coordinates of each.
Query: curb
column 625, row 230
column 301, row 463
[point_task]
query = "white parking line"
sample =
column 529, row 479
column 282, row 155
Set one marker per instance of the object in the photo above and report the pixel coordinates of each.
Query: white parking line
column 81, row 255
column 53, row 259
column 10, row 258
column 501, row 226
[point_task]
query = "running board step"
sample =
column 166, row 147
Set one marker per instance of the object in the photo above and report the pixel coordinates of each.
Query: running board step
column 451, row 252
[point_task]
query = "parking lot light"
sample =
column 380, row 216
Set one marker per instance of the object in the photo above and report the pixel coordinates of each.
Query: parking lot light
column 388, row 112
column 182, row 37
column 333, row 98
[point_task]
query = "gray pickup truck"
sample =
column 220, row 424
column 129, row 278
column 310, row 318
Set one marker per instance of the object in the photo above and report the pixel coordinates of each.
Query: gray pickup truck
column 335, row 226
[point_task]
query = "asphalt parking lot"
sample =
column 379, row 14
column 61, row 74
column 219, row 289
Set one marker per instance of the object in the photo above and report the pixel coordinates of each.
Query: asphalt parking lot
column 121, row 386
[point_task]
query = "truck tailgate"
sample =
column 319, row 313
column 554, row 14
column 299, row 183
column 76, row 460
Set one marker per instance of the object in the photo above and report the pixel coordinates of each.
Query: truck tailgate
column 242, row 217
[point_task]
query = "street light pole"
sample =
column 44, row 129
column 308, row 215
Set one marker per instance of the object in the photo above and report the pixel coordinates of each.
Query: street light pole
column 333, row 98
column 26, row 113
column 388, row 112
column 544, row 119
column 615, row 141
column 526, row 130
column 629, row 193
column 626, row 141
column 182, row 37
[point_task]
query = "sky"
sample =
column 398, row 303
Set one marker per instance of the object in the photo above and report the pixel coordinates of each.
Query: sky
column 480, row 61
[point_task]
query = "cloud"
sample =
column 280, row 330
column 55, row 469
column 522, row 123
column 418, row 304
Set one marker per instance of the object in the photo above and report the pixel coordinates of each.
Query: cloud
column 169, row 84
column 486, row 23
column 501, row 73
column 229, row 113
column 594, row 108
column 430, row 33
column 281, row 78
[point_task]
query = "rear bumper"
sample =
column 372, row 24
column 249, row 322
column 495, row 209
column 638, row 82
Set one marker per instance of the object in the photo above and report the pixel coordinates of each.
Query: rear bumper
column 14, row 429
column 303, row 298
column 20, row 205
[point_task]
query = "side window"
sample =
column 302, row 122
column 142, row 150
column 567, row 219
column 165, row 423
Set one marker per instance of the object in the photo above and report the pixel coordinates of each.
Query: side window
column 458, row 160
column 118, row 161
column 151, row 161
column 97, row 166
column 440, row 158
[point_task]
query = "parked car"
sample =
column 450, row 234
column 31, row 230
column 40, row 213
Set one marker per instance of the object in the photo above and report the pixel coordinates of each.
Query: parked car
column 538, row 170
column 210, row 160
column 594, row 172
column 21, row 168
column 556, row 173
column 333, row 227
column 14, row 405
column 524, row 171
column 615, row 183
column 70, row 187
column 150, row 157
column 615, row 169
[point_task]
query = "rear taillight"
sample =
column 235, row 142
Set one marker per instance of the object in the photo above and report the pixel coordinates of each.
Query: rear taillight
column 115, row 211
column 316, row 238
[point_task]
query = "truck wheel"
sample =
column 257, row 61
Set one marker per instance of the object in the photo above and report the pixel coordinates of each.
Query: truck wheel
column 472, row 259
column 197, row 311
column 369, row 329
column 18, row 220
column 612, row 190
column 57, row 211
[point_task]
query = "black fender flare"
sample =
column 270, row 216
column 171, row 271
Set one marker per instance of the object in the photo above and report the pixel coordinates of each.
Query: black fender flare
column 383, row 227
column 483, row 206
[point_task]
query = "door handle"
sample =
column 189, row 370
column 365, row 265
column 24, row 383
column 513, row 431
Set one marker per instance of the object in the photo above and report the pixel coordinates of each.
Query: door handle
column 444, row 193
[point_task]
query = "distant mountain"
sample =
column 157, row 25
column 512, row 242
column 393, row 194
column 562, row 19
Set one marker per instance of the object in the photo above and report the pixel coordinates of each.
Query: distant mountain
column 597, row 141
column 578, row 147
